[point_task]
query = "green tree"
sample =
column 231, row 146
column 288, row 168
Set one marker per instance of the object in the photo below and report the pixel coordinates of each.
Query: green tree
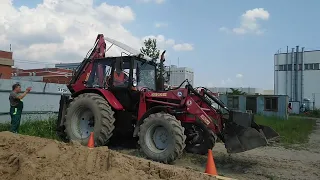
column 150, row 49
column 236, row 92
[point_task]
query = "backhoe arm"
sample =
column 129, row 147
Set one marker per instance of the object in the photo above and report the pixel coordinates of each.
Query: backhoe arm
column 79, row 78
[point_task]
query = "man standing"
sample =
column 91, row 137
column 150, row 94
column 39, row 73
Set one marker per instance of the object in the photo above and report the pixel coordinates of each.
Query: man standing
column 16, row 106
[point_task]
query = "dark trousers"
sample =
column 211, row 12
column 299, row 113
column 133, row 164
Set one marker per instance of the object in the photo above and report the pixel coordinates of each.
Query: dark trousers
column 15, row 113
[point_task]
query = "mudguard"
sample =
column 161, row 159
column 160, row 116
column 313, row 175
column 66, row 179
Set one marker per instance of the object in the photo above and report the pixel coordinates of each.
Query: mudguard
column 112, row 100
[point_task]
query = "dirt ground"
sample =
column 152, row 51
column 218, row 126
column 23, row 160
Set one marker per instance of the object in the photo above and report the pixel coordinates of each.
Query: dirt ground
column 29, row 158
column 273, row 162
column 25, row 157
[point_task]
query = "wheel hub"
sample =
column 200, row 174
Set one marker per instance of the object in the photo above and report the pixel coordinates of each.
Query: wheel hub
column 83, row 123
column 160, row 138
column 157, row 138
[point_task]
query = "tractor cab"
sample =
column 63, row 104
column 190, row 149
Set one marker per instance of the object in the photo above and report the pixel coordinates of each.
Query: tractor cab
column 124, row 76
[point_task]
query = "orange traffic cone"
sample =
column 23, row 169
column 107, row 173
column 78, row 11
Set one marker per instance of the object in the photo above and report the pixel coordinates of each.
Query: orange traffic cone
column 211, row 167
column 91, row 141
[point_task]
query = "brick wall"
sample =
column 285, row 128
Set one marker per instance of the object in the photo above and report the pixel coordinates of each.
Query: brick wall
column 5, row 72
column 5, row 54
column 5, row 68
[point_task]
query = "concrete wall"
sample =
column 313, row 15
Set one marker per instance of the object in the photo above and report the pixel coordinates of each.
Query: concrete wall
column 41, row 103
column 281, row 112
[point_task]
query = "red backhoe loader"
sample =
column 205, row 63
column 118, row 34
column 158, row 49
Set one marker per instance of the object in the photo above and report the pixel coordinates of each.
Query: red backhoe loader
column 165, row 122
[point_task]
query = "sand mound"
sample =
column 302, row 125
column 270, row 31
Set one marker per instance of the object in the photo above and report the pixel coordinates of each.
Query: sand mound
column 27, row 157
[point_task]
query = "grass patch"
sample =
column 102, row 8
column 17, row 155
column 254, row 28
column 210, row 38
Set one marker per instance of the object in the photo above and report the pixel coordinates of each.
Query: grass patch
column 295, row 130
column 45, row 128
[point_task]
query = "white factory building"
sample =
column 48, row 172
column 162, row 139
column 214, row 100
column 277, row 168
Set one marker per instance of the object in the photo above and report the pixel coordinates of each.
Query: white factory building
column 179, row 74
column 297, row 74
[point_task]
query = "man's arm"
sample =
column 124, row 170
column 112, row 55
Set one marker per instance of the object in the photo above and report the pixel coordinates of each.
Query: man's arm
column 25, row 93
column 22, row 95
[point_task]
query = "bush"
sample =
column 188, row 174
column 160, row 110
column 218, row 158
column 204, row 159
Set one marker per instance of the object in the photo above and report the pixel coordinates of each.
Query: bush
column 45, row 128
column 295, row 130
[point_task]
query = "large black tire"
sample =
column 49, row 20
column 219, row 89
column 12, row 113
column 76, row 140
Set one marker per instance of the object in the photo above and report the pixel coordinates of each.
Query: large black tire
column 207, row 141
column 175, row 141
column 95, row 106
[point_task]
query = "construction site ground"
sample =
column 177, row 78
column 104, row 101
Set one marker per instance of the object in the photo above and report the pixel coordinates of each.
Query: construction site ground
column 27, row 157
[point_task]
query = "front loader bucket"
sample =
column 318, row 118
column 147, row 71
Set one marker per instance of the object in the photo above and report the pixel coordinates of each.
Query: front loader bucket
column 243, row 134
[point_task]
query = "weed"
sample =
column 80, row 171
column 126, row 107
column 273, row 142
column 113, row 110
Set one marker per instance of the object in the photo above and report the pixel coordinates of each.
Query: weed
column 295, row 130
column 45, row 128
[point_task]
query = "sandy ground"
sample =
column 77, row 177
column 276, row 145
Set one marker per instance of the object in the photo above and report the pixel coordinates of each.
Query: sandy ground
column 29, row 158
column 25, row 157
column 262, row 163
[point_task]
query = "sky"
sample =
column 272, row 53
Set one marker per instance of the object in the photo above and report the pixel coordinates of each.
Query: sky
column 227, row 43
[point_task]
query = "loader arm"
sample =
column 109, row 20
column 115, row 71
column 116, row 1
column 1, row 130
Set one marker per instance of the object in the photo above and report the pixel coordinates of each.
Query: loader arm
column 239, row 132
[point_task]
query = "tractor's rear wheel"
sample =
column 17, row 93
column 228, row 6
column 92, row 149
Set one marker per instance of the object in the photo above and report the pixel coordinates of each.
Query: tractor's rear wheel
column 161, row 137
column 199, row 140
column 87, row 113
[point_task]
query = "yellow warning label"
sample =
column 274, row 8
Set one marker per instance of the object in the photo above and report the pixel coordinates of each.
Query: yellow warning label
column 205, row 119
column 158, row 94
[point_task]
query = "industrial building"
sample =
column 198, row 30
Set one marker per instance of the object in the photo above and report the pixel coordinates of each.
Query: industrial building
column 71, row 66
column 176, row 75
column 224, row 90
column 49, row 75
column 295, row 74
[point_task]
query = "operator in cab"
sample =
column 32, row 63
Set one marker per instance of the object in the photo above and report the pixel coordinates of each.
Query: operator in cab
column 120, row 79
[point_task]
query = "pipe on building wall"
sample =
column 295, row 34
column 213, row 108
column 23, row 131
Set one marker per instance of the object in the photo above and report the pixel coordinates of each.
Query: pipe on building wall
column 275, row 87
column 296, row 73
column 287, row 63
column 292, row 73
column 302, row 73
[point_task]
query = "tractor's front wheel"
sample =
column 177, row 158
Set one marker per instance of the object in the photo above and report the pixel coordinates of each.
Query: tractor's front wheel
column 161, row 137
column 87, row 113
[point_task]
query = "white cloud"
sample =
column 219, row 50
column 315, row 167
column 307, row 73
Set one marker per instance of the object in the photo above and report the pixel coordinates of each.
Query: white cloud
column 160, row 24
column 62, row 30
column 155, row 1
column 226, row 82
column 249, row 22
column 183, row 47
column 164, row 43
column 239, row 76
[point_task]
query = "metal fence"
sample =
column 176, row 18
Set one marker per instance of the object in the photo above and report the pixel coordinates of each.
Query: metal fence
column 40, row 104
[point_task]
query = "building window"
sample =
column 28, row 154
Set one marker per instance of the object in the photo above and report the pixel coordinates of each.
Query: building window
column 306, row 67
column 285, row 67
column 271, row 104
column 281, row 68
column 316, row 66
column 289, row 67
column 233, row 102
column 300, row 67
column 311, row 66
